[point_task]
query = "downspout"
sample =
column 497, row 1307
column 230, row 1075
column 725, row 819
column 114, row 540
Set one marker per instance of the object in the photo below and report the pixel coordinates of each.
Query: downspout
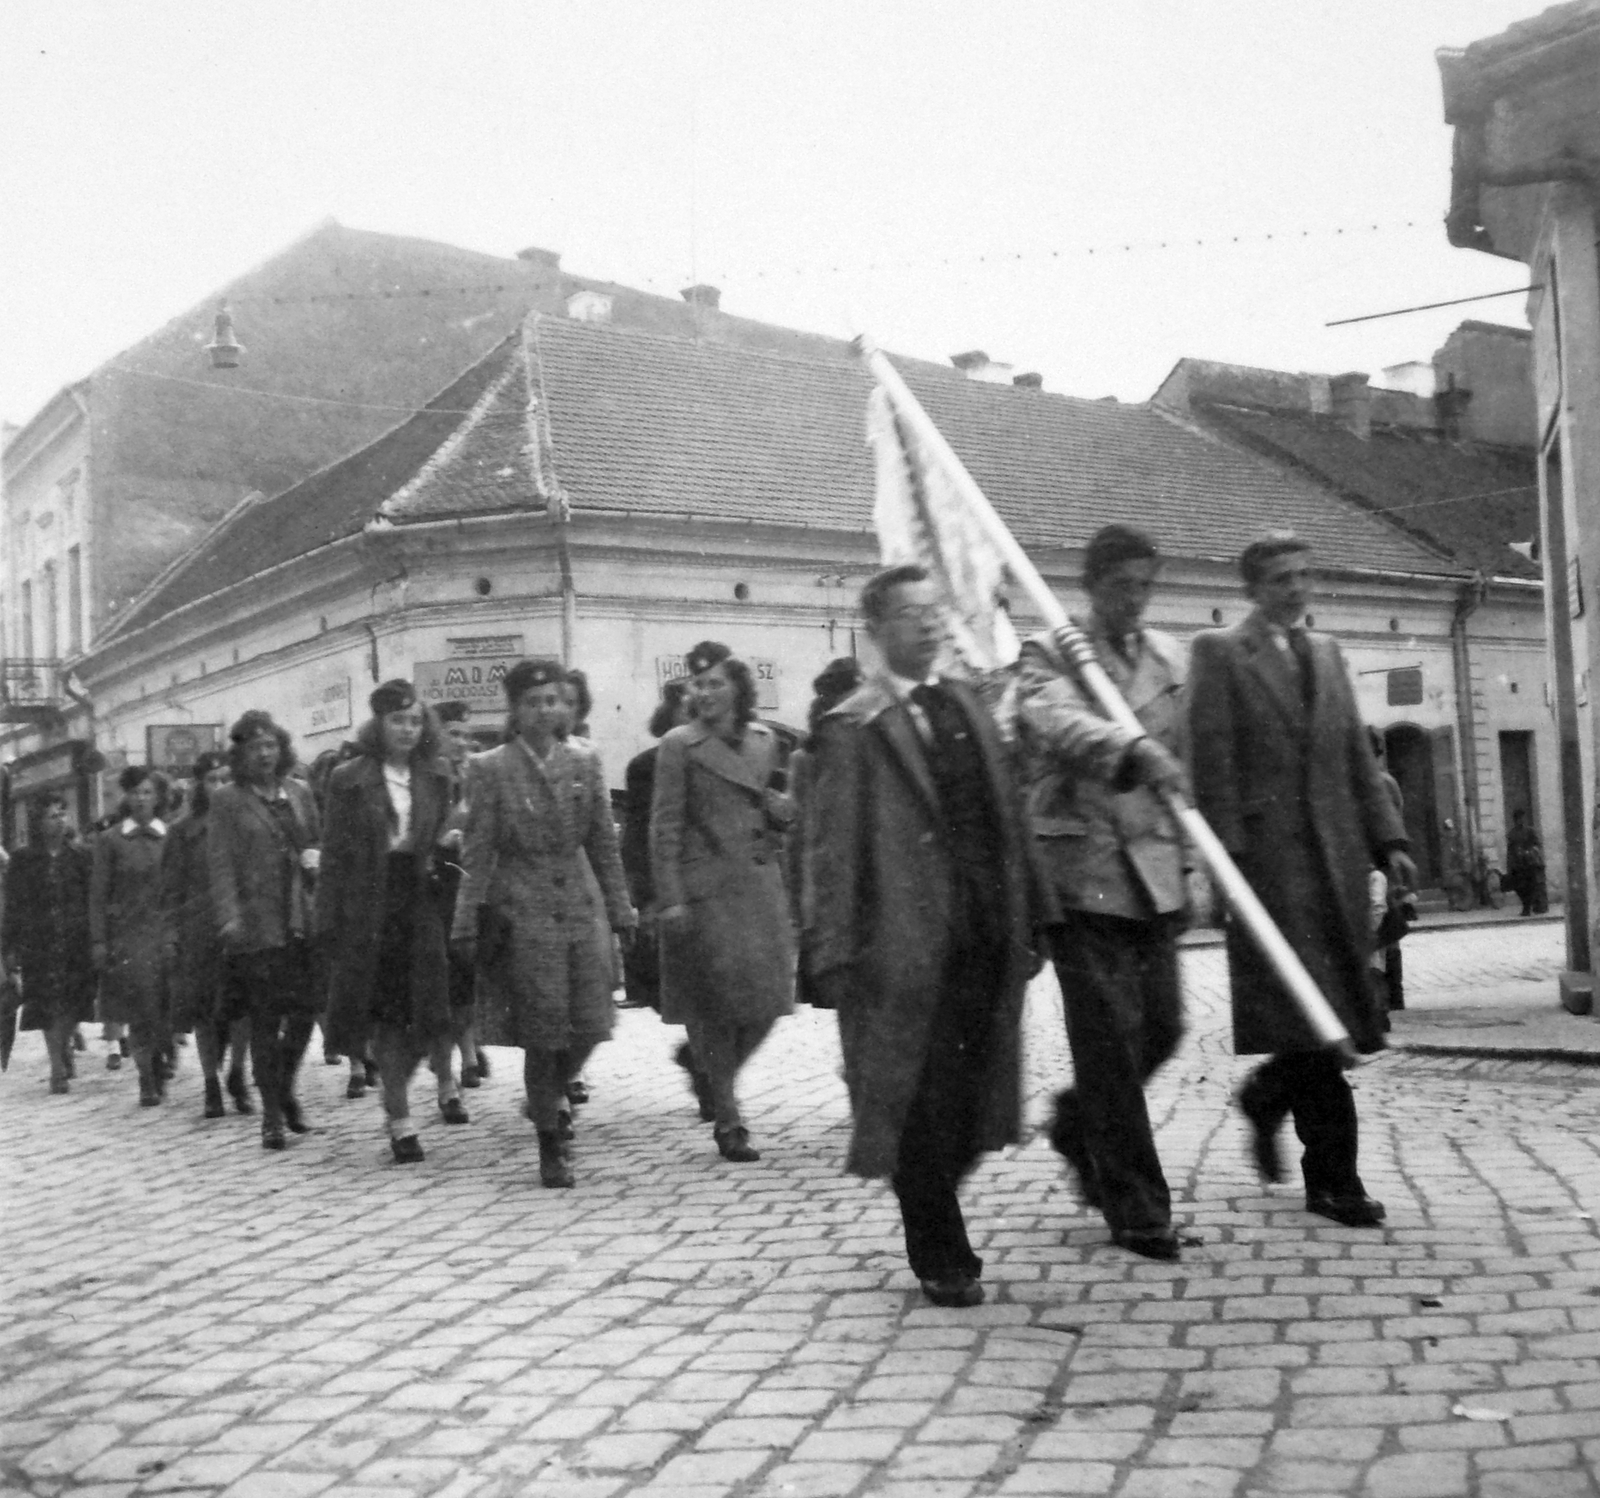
column 1468, row 601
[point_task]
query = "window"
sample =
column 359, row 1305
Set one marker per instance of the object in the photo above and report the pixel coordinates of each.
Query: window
column 51, row 603
column 25, row 633
column 75, row 600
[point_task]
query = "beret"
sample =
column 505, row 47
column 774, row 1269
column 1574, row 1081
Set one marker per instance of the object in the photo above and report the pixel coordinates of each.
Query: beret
column 537, row 672
column 392, row 697
column 705, row 655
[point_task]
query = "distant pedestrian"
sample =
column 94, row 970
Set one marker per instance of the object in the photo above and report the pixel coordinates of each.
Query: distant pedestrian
column 535, row 809
column 45, row 936
column 579, row 702
column 264, row 847
column 641, row 969
column 1115, row 859
column 201, row 1000
column 1285, row 775
column 717, row 826
column 456, row 743
column 127, row 930
column 379, row 912
column 1525, row 865
column 918, row 923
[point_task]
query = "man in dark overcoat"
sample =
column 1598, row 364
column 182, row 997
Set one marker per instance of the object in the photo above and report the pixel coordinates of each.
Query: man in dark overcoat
column 918, row 927
column 1284, row 773
column 45, row 935
column 1115, row 860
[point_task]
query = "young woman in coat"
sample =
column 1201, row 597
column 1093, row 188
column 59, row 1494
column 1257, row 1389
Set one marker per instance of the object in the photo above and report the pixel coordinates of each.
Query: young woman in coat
column 535, row 808
column 126, row 928
column 200, row 1000
column 379, row 910
column 45, row 935
column 716, row 841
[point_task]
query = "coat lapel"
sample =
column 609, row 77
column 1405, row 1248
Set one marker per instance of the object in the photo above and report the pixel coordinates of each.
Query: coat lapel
column 1267, row 662
column 894, row 721
column 721, row 758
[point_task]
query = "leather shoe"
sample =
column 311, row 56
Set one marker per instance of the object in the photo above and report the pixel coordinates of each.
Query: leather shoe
column 554, row 1168
column 470, row 1077
column 564, row 1129
column 454, row 1111
column 272, row 1137
column 355, row 1087
column 239, row 1093
column 214, row 1104
column 735, row 1144
column 1264, row 1125
column 577, row 1092
column 293, row 1119
column 483, row 1066
column 406, row 1151
column 58, row 1085
column 1352, row 1211
column 954, row 1290
column 1156, row 1244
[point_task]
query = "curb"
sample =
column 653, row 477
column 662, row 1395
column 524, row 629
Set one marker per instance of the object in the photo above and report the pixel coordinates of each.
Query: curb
column 1498, row 1052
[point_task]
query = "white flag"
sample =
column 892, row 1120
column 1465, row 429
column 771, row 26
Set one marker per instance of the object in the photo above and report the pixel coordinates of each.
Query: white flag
column 921, row 516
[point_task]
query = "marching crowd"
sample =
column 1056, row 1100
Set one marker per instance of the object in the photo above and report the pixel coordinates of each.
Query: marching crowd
column 910, row 865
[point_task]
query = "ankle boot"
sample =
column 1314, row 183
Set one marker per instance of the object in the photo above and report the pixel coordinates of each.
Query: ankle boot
column 553, row 1167
column 214, row 1107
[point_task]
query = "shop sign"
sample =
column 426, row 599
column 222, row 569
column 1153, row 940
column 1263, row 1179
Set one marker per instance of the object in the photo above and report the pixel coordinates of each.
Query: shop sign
column 475, row 680
column 327, row 700
column 173, row 748
column 481, row 645
column 54, row 765
column 767, row 674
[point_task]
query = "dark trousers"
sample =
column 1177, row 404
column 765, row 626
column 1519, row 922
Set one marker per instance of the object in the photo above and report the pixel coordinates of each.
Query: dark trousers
column 1310, row 1086
column 941, row 1138
column 720, row 1050
column 279, row 987
column 1120, row 995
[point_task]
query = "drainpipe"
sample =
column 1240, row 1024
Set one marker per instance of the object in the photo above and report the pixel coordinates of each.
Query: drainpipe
column 1468, row 601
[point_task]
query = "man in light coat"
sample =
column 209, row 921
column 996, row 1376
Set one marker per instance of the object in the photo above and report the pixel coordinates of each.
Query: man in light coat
column 1284, row 773
column 1115, row 859
column 918, row 927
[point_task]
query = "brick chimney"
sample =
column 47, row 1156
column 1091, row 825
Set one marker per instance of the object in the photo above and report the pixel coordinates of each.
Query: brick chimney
column 544, row 259
column 709, row 297
column 1351, row 401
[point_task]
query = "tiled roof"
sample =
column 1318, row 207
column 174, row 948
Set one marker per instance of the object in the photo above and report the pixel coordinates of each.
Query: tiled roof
column 1469, row 499
column 641, row 422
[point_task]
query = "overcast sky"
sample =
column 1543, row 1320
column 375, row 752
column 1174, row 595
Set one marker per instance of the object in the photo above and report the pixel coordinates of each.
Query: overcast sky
column 937, row 173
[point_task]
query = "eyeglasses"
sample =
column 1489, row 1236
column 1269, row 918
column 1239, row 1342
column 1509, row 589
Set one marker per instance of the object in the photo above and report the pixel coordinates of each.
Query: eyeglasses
column 916, row 613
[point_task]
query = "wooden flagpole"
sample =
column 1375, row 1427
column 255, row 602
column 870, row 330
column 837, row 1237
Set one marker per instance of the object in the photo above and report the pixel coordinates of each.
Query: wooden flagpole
column 1242, row 900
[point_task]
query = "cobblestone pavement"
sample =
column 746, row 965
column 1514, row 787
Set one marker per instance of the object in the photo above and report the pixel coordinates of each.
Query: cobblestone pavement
column 185, row 1314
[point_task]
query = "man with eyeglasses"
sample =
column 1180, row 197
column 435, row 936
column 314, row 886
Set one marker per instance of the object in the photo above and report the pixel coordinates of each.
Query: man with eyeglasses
column 1284, row 773
column 918, row 926
column 1115, row 859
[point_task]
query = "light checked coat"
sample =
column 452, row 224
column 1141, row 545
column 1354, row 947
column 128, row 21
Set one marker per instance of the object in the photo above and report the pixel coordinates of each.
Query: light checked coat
column 1108, row 848
column 544, row 958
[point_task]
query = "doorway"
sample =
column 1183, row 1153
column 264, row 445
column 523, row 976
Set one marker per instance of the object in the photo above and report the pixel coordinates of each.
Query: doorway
column 1518, row 783
column 1416, row 759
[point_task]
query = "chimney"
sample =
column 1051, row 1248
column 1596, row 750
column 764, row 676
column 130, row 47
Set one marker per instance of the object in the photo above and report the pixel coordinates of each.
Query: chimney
column 1028, row 381
column 977, row 365
column 589, row 306
column 1351, row 400
column 709, row 297
column 544, row 259
column 1450, row 405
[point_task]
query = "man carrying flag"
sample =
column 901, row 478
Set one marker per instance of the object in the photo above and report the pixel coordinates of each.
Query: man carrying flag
column 918, row 925
column 1114, row 857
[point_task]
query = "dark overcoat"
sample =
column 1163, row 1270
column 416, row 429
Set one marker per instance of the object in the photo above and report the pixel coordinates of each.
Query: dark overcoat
column 716, row 848
column 880, row 890
column 256, row 873
column 544, row 955
column 352, row 894
column 1298, row 799
column 46, row 933
column 191, row 927
column 125, row 919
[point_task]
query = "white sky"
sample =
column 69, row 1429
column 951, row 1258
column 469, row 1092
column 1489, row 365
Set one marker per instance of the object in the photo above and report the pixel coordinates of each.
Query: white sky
column 912, row 167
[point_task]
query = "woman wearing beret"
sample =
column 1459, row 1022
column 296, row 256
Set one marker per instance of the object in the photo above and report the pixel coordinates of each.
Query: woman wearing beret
column 379, row 912
column 126, row 927
column 716, row 843
column 200, row 1000
column 535, row 808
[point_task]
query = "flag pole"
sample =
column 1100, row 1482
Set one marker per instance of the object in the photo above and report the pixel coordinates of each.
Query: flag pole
column 1241, row 899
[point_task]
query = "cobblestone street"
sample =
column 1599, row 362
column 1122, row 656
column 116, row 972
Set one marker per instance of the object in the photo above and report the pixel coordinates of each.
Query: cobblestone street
column 186, row 1314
